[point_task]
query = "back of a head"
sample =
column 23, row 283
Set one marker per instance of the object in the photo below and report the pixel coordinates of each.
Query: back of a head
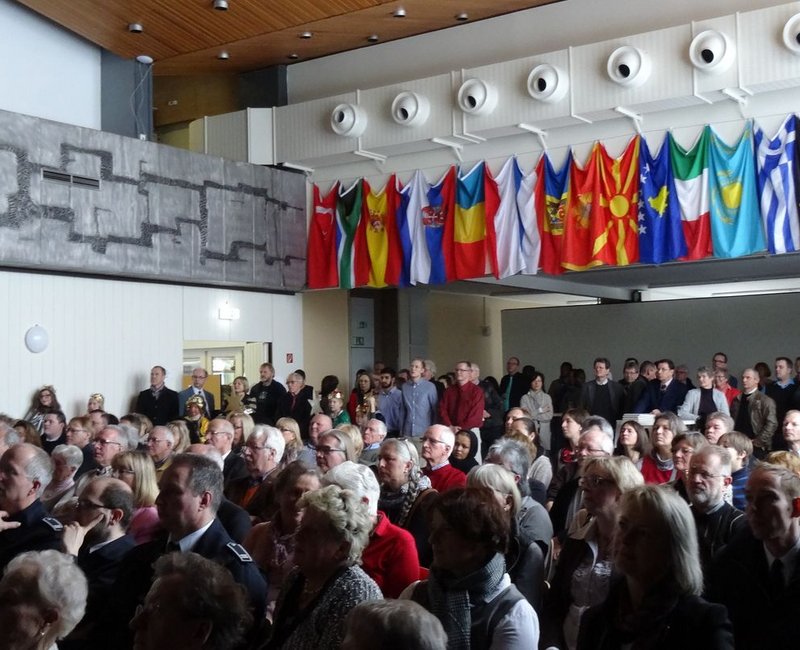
column 358, row 478
column 394, row 625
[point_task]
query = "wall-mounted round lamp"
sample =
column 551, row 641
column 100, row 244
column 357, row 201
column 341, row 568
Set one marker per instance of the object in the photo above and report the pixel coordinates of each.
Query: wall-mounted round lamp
column 712, row 51
column 628, row 66
column 547, row 83
column 410, row 109
column 36, row 339
column 477, row 97
column 791, row 34
column 348, row 120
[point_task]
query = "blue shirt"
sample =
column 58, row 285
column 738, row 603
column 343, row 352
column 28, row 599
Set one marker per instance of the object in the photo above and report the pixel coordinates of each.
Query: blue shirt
column 419, row 406
column 390, row 404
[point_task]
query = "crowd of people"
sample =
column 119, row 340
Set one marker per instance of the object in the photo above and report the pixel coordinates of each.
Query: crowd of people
column 415, row 511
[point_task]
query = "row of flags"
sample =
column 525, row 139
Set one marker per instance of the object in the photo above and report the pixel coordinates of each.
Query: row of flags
column 711, row 200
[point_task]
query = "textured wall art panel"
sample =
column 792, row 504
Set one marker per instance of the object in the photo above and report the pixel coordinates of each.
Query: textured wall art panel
column 74, row 199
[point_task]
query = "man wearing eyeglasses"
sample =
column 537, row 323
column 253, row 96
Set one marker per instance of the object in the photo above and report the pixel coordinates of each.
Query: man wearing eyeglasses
column 437, row 443
column 79, row 433
column 160, row 444
column 219, row 435
column 111, row 441
column 199, row 377
column 462, row 404
column 262, row 454
column 25, row 525
column 717, row 521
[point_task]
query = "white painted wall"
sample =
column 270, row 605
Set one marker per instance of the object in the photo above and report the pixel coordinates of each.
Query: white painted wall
column 105, row 335
column 47, row 71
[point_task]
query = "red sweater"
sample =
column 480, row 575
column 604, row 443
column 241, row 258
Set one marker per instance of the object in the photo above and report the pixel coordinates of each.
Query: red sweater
column 462, row 406
column 446, row 478
column 652, row 474
column 390, row 558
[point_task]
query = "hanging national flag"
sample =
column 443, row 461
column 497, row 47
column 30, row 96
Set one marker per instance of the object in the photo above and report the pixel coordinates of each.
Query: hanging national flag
column 736, row 228
column 615, row 233
column 552, row 193
column 321, row 261
column 582, row 208
column 526, row 205
column 690, row 169
column 776, row 159
column 409, row 229
column 476, row 204
column 437, row 225
column 506, row 224
column 661, row 236
column 383, row 241
column 351, row 242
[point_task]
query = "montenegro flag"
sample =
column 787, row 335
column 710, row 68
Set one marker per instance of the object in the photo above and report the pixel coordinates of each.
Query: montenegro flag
column 476, row 204
column 583, row 202
column 378, row 219
column 614, row 225
column 321, row 261
column 552, row 190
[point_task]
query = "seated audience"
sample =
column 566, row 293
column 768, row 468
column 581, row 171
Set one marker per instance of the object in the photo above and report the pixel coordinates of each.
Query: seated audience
column 656, row 602
column 262, row 456
column 393, row 625
column 327, row 583
column 791, row 431
column 242, row 428
column 465, row 448
column 374, row 434
column 740, row 448
column 437, row 443
column 54, row 426
column 160, row 446
column 61, row 489
column 633, row 442
column 703, row 401
column 541, row 468
column 79, row 433
column 135, row 469
column 683, row 446
column 658, row 467
column 196, row 419
column 28, row 433
column 571, row 424
column 333, row 448
column 180, row 435
column 294, row 443
column 219, row 434
column 716, row 425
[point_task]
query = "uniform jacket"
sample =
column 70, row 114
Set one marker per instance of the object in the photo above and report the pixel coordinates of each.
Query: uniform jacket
column 37, row 532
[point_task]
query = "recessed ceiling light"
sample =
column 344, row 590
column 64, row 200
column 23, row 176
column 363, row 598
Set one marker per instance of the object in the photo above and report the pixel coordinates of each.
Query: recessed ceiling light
column 223, row 56
column 306, row 35
column 462, row 16
column 135, row 28
column 399, row 13
column 373, row 38
column 293, row 56
column 221, row 5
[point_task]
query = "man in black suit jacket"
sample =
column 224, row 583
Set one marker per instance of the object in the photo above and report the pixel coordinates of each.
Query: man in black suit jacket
column 219, row 435
column 191, row 491
column 664, row 393
column 158, row 402
column 512, row 385
column 757, row 576
column 603, row 396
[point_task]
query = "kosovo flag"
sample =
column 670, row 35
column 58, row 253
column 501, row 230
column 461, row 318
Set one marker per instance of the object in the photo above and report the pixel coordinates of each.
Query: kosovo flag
column 736, row 228
column 476, row 205
column 660, row 231
column 321, row 262
column 552, row 191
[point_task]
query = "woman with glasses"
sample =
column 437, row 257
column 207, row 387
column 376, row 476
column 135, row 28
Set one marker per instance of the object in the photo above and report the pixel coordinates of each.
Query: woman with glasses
column 333, row 448
column 585, row 564
column 135, row 468
column 243, row 425
column 294, row 449
column 180, row 435
column 44, row 401
column 684, row 446
column 406, row 493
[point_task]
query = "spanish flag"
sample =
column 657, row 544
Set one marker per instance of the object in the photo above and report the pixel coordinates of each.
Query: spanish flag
column 321, row 263
column 476, row 204
column 582, row 205
column 552, row 191
column 378, row 219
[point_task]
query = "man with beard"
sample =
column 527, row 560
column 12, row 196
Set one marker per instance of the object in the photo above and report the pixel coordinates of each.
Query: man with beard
column 717, row 521
column 390, row 402
column 98, row 539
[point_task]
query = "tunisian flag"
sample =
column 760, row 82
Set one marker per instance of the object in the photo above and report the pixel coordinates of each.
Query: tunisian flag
column 321, row 261
column 378, row 218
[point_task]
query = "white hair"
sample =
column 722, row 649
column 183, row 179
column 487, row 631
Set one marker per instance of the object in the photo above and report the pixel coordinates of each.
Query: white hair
column 358, row 478
column 271, row 437
column 72, row 455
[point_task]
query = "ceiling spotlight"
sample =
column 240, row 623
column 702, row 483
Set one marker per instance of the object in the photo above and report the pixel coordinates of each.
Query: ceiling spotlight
column 462, row 16
column 135, row 28
column 145, row 59
column 399, row 13
column 306, row 35
column 221, row 5
column 373, row 38
column 293, row 56
column 223, row 56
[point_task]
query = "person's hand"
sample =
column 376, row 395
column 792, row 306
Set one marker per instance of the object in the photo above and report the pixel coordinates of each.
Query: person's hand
column 74, row 534
column 7, row 525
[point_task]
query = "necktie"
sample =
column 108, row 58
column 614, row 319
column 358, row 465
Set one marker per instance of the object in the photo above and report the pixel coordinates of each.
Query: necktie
column 776, row 576
column 173, row 547
column 663, row 388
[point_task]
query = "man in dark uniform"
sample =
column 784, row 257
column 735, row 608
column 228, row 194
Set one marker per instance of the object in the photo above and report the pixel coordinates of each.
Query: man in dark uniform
column 25, row 524
column 158, row 402
column 191, row 491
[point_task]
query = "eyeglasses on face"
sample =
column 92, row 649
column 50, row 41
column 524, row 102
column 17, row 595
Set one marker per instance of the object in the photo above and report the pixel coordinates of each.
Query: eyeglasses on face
column 432, row 441
column 105, row 443
column 594, row 481
column 328, row 450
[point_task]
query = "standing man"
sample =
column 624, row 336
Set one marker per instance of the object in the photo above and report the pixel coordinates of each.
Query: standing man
column 419, row 401
column 199, row 377
column 720, row 362
column 784, row 393
column 462, row 403
column 295, row 403
column 390, row 402
column 753, row 414
column 633, row 383
column 267, row 393
column 437, row 443
column 603, row 396
column 158, row 402
column 512, row 384
column 663, row 393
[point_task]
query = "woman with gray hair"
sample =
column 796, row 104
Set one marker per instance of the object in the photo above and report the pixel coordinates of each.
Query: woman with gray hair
column 42, row 598
column 393, row 625
column 59, row 492
column 327, row 583
column 406, row 493
column 656, row 603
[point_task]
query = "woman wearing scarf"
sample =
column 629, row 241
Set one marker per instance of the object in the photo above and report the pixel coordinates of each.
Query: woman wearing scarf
column 406, row 493
column 468, row 589
column 657, row 467
column 464, row 451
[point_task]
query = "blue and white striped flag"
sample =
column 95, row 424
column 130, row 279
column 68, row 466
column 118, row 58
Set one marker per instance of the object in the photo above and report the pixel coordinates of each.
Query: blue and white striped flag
column 776, row 159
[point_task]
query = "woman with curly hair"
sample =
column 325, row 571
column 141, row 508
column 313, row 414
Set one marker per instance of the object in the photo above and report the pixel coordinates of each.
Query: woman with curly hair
column 44, row 402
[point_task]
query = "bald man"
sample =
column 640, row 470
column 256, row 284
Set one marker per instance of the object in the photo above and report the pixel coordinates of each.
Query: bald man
column 437, row 443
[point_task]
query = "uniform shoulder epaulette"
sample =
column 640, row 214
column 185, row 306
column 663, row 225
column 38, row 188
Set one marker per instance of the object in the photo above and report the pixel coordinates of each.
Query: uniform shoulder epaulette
column 53, row 523
column 239, row 551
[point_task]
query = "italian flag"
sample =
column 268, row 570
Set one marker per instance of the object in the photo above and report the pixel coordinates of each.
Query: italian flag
column 690, row 169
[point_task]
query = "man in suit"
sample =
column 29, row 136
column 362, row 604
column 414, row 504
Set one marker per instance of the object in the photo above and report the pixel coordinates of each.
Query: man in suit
column 158, row 402
column 757, row 576
column 603, row 396
column 199, row 377
column 512, row 384
column 754, row 414
column 664, row 393
column 219, row 435
column 191, row 491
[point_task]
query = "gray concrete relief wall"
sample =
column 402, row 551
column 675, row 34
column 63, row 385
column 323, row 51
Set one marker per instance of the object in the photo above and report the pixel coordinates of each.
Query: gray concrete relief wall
column 78, row 200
